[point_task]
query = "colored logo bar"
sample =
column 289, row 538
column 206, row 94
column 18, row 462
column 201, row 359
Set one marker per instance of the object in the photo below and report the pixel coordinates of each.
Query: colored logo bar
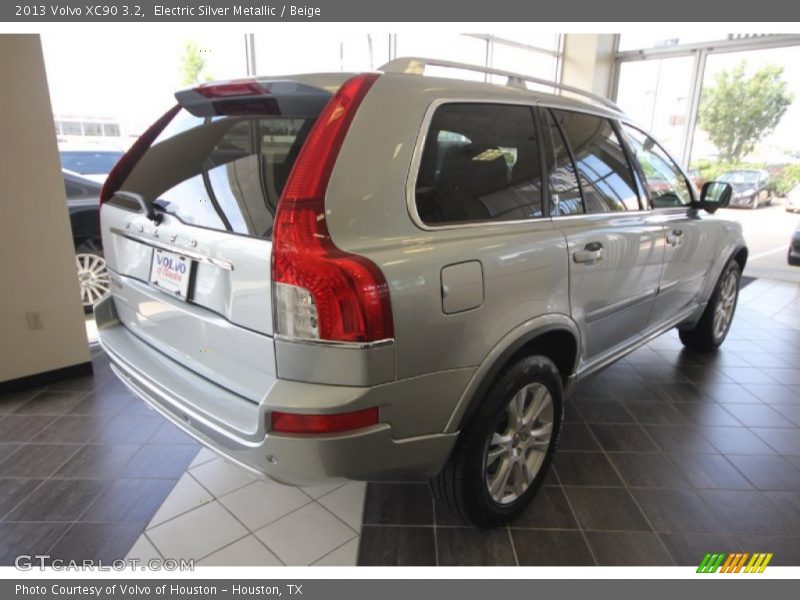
column 734, row 562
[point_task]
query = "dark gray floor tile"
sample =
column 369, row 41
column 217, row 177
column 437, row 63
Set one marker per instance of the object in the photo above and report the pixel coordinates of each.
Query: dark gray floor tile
column 644, row 356
column 396, row 546
column 37, row 460
column 58, row 500
column 398, row 504
column 656, row 413
column 757, row 415
column 576, row 436
column 469, row 546
column 129, row 501
column 606, row 509
column 623, row 438
column 785, row 376
column 633, row 390
column 84, row 383
column 661, row 373
column 709, row 471
column 445, row 518
column 585, row 468
column 785, row 549
column 730, row 393
column 169, row 434
column 648, row 470
column 736, row 440
column 684, row 439
column 628, row 548
column 784, row 441
column 27, row 538
column 688, row 549
column 682, row 392
column 7, row 450
column 592, row 390
column 21, row 428
column 775, row 393
column 707, row 414
column 11, row 402
column 551, row 548
column 789, row 411
column 99, row 541
column 748, row 512
column 677, row 511
column 571, row 413
column 128, row 429
column 71, row 429
column 101, row 402
column 604, row 412
column 769, row 472
column 164, row 461
column 96, row 461
column 14, row 491
column 548, row 510
column 50, row 403
column 747, row 375
column 788, row 503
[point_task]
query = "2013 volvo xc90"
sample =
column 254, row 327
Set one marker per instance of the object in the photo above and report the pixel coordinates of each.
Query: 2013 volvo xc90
column 392, row 275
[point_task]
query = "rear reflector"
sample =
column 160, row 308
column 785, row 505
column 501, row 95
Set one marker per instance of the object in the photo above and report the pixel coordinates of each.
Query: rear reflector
column 236, row 87
column 298, row 423
column 337, row 295
column 125, row 165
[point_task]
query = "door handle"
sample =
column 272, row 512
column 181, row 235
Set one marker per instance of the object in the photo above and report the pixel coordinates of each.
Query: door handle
column 675, row 237
column 591, row 253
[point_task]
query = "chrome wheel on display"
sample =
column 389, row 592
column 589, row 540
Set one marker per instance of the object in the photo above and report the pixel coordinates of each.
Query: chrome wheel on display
column 726, row 304
column 517, row 449
column 92, row 276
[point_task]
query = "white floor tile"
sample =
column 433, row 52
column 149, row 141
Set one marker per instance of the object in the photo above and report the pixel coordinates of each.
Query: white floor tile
column 347, row 503
column 317, row 491
column 260, row 503
column 343, row 556
column 143, row 550
column 197, row 533
column 185, row 496
column 247, row 552
column 305, row 535
column 203, row 456
column 221, row 477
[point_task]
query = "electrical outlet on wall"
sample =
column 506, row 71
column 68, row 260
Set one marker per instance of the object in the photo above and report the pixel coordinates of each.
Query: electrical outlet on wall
column 35, row 319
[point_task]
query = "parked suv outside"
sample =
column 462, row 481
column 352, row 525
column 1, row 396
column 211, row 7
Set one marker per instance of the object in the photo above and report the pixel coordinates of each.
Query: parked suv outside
column 390, row 275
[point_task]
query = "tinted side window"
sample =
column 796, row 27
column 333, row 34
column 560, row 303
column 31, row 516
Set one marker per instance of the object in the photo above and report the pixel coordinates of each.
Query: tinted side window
column 666, row 184
column 605, row 175
column 480, row 163
column 565, row 193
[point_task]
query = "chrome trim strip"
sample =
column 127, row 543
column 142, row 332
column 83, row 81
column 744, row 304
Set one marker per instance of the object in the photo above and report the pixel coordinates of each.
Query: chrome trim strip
column 336, row 344
column 217, row 262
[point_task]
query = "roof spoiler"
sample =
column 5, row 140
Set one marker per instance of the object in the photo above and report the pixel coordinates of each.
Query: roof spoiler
column 253, row 96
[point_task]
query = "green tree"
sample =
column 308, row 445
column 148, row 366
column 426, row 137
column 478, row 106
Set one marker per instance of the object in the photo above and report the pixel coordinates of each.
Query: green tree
column 740, row 110
column 193, row 65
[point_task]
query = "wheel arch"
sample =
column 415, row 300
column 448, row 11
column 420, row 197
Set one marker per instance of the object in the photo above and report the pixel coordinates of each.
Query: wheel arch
column 554, row 336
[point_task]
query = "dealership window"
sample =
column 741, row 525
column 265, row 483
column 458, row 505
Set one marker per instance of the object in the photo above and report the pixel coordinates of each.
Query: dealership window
column 480, row 163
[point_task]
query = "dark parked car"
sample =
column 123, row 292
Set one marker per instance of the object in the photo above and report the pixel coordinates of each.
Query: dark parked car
column 751, row 187
column 83, row 200
column 91, row 161
column 794, row 248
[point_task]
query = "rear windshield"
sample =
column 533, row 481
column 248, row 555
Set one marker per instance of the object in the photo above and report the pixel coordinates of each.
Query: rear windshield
column 224, row 173
column 89, row 162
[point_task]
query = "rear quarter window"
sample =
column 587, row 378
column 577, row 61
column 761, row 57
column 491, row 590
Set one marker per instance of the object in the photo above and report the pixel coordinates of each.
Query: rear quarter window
column 480, row 163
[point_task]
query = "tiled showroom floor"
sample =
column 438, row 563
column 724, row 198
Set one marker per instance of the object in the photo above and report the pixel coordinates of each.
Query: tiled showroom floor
column 665, row 456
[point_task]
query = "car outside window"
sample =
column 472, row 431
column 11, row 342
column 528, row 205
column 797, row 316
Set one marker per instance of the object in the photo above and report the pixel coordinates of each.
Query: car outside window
column 562, row 179
column 480, row 163
column 606, row 178
column 665, row 183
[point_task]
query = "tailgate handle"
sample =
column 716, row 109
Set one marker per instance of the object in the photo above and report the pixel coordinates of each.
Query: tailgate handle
column 591, row 253
column 144, row 207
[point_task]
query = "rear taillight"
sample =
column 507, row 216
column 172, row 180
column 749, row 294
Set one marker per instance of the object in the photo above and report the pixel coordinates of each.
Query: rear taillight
column 321, row 291
column 125, row 165
column 298, row 423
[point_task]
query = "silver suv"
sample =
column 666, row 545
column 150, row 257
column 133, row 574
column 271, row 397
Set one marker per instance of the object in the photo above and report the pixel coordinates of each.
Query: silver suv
column 389, row 275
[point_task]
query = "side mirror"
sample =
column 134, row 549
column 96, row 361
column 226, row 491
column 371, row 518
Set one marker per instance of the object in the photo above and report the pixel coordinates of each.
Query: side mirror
column 714, row 195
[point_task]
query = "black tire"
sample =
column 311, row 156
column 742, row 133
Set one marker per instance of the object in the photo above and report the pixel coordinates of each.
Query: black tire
column 462, row 486
column 703, row 337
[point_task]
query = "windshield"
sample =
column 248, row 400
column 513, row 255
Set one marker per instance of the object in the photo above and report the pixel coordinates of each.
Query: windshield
column 740, row 177
column 90, row 162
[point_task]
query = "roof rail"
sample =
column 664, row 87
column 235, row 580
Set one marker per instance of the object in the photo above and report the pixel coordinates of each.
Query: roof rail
column 416, row 66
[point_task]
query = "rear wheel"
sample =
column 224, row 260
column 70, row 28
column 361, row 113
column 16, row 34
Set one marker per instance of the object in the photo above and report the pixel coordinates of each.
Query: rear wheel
column 713, row 326
column 92, row 273
column 503, row 454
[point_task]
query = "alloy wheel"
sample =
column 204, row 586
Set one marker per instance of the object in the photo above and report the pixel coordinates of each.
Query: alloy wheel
column 93, row 277
column 726, row 303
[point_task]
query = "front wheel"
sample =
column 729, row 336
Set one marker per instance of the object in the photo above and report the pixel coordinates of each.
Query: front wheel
column 712, row 328
column 503, row 454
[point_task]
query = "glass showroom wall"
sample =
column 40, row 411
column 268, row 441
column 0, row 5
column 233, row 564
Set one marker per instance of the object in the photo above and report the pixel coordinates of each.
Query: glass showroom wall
column 719, row 104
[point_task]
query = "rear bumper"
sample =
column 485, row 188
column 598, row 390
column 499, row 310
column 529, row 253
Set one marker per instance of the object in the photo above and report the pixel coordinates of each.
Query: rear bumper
column 236, row 427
